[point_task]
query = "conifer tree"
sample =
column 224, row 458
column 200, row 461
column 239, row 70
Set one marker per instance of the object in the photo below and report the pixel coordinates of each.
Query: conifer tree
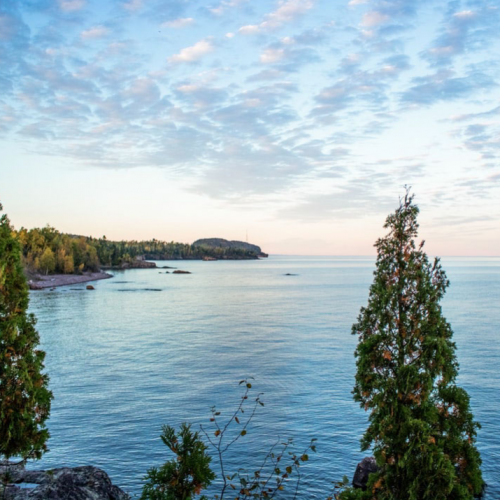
column 186, row 476
column 421, row 427
column 24, row 396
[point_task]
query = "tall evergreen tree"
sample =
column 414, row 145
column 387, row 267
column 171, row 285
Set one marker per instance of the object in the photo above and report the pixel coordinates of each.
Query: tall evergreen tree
column 420, row 427
column 24, row 396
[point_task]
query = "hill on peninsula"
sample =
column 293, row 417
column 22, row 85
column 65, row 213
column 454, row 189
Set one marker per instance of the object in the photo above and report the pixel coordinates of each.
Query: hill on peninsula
column 220, row 243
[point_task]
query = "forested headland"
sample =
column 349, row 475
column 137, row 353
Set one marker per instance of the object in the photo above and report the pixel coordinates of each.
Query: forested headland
column 47, row 251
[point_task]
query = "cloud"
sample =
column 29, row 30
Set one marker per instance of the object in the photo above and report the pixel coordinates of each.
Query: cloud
column 37, row 130
column 132, row 5
column 250, row 29
column 374, row 18
column 272, row 55
column 178, row 23
column 444, row 86
column 200, row 94
column 71, row 5
column 261, row 124
column 193, row 53
column 290, row 54
column 457, row 220
column 383, row 27
column 268, row 75
column 482, row 138
column 94, row 33
column 463, row 31
column 257, row 167
column 362, row 88
column 226, row 4
column 472, row 116
column 313, row 36
column 161, row 10
column 465, row 14
column 13, row 29
column 348, row 196
column 287, row 11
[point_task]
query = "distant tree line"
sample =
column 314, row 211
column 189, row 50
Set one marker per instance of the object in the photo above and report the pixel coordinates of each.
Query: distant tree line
column 46, row 251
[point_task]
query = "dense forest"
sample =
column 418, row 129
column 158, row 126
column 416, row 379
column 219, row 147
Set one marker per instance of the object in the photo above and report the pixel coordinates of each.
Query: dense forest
column 46, row 251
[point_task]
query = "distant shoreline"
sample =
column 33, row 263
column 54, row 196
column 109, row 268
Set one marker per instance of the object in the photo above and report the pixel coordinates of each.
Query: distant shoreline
column 41, row 282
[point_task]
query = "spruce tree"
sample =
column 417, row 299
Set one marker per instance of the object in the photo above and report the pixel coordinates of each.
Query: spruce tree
column 24, row 396
column 421, row 427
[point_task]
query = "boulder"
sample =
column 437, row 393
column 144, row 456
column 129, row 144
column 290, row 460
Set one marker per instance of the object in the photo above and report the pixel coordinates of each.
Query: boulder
column 79, row 483
column 363, row 470
column 90, row 287
column 181, row 272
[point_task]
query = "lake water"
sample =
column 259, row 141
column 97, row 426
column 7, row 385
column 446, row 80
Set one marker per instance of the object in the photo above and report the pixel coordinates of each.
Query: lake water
column 146, row 349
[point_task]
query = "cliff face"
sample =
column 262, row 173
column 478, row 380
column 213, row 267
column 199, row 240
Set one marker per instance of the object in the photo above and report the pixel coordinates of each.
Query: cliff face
column 232, row 245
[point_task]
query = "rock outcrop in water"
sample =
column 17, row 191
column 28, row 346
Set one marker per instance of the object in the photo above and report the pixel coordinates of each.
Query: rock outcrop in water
column 78, row 483
column 366, row 467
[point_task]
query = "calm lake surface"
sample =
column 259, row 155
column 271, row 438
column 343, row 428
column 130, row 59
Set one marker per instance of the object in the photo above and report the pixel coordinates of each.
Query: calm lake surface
column 146, row 349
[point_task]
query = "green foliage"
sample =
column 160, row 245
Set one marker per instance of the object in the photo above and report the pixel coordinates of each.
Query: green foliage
column 420, row 427
column 342, row 490
column 47, row 261
column 184, row 477
column 24, row 396
column 273, row 475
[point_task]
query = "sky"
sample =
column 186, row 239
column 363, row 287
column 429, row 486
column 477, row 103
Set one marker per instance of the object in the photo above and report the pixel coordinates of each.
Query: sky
column 293, row 123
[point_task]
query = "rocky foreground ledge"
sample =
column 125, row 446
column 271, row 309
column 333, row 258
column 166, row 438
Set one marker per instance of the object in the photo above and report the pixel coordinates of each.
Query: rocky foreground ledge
column 78, row 483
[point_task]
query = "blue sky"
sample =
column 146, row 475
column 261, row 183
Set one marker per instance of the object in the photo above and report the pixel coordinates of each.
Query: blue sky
column 299, row 121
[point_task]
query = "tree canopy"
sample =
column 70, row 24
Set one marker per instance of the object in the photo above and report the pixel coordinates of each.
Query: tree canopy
column 24, row 395
column 421, row 427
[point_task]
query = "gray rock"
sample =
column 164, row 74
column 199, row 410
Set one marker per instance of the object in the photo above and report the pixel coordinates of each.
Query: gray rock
column 78, row 483
column 363, row 470
column 13, row 470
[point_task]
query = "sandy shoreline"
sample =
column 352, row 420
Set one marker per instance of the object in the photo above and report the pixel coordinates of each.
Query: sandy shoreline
column 53, row 280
